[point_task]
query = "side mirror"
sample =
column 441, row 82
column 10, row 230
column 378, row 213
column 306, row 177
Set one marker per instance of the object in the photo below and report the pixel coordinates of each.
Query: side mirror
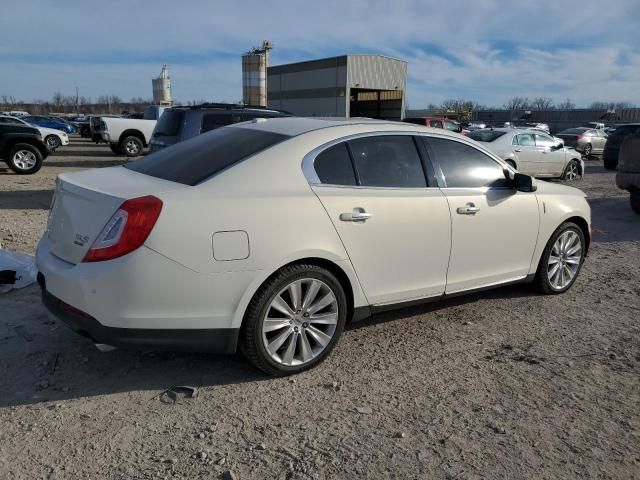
column 524, row 183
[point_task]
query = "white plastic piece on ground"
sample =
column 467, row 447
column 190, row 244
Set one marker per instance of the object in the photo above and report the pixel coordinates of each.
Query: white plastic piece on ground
column 24, row 265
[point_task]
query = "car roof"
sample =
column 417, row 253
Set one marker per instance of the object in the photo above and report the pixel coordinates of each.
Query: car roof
column 294, row 126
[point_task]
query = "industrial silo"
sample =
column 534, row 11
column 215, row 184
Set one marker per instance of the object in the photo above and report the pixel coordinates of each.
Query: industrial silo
column 162, row 87
column 254, row 75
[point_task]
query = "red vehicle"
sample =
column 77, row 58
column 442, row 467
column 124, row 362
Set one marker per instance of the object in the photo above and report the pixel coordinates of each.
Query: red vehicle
column 435, row 122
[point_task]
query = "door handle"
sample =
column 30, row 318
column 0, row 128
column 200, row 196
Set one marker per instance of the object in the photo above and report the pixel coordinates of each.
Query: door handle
column 518, row 150
column 468, row 209
column 545, row 151
column 358, row 215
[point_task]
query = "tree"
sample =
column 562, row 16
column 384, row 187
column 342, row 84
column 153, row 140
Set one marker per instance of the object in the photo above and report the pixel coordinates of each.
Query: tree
column 57, row 99
column 567, row 104
column 517, row 103
column 542, row 103
column 463, row 108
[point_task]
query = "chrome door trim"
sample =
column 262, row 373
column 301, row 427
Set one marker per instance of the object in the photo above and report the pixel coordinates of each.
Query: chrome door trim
column 312, row 177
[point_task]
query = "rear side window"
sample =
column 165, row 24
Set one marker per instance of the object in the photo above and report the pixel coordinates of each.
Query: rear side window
column 485, row 135
column 334, row 167
column 169, row 123
column 463, row 166
column 526, row 140
column 195, row 160
column 387, row 161
column 212, row 121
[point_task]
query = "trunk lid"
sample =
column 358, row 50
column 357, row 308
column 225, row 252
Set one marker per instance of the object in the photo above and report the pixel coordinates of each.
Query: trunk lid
column 83, row 203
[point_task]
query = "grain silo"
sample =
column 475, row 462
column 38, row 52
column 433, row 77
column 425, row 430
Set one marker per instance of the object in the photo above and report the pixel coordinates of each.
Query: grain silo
column 162, row 87
column 254, row 75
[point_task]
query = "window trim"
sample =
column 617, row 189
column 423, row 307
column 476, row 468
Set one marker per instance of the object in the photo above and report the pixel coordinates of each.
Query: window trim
column 310, row 174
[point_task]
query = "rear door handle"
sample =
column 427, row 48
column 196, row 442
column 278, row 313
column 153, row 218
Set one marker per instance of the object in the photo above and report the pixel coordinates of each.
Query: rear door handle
column 358, row 215
column 468, row 209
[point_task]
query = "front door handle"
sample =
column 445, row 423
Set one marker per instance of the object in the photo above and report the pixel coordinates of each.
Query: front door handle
column 518, row 150
column 357, row 215
column 468, row 209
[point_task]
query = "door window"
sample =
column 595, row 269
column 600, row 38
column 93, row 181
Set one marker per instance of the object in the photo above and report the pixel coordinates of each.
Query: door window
column 543, row 140
column 334, row 167
column 436, row 124
column 387, row 161
column 452, row 127
column 464, row 166
column 525, row 140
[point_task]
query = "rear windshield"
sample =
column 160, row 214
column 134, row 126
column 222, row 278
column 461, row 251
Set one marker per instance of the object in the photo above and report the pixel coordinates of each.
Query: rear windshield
column 169, row 123
column 195, row 160
column 485, row 135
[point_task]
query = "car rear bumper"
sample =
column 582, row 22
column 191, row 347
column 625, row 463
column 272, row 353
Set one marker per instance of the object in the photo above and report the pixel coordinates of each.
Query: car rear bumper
column 215, row 340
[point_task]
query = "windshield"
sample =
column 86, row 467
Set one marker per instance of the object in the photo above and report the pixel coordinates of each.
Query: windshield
column 169, row 123
column 485, row 135
column 201, row 157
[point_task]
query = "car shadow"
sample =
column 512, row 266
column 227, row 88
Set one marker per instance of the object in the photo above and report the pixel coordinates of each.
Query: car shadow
column 26, row 199
column 612, row 220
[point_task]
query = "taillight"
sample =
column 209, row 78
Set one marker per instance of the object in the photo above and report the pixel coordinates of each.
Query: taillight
column 126, row 230
column 579, row 137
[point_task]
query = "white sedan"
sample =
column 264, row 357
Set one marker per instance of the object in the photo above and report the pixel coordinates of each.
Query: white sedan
column 270, row 235
column 53, row 138
column 533, row 152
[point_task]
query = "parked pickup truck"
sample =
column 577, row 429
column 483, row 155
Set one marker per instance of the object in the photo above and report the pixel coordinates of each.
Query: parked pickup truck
column 22, row 148
column 129, row 136
column 628, row 176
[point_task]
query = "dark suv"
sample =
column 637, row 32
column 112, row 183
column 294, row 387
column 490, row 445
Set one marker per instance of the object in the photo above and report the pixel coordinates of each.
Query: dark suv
column 22, row 148
column 182, row 123
column 614, row 140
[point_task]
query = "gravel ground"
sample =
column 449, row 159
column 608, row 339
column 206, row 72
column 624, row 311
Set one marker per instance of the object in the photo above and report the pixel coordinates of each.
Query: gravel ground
column 505, row 384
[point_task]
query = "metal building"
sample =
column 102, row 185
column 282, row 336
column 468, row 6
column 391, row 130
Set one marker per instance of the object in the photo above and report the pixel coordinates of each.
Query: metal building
column 254, row 75
column 162, row 87
column 346, row 86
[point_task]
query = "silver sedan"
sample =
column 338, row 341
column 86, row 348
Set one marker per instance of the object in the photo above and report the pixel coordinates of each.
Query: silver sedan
column 532, row 152
column 586, row 140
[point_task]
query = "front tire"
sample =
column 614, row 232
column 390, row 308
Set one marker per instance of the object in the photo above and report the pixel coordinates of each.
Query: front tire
column 131, row 146
column 294, row 320
column 572, row 171
column 587, row 150
column 53, row 142
column 561, row 260
column 25, row 159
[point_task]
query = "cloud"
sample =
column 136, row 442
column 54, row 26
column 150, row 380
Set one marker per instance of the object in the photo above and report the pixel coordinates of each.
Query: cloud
column 486, row 50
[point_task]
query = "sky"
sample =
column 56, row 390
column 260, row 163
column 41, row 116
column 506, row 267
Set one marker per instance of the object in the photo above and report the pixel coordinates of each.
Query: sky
column 484, row 50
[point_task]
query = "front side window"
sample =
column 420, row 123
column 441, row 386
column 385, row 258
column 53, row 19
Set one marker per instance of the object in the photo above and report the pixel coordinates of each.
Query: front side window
column 436, row 124
column 387, row 161
column 543, row 140
column 525, row 140
column 464, row 166
column 334, row 167
column 452, row 127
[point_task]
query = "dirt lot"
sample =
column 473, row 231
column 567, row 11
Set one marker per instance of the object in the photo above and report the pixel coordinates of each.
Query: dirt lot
column 506, row 384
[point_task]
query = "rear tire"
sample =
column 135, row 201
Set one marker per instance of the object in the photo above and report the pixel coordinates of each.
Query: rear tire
column 301, row 332
column 547, row 279
column 131, row 146
column 634, row 200
column 587, row 150
column 53, row 142
column 115, row 148
column 25, row 159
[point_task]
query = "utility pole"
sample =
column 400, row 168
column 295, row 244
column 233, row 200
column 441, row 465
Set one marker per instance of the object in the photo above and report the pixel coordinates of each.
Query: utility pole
column 77, row 102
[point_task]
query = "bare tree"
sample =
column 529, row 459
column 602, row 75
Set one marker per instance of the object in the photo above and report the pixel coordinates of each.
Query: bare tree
column 517, row 103
column 567, row 104
column 542, row 103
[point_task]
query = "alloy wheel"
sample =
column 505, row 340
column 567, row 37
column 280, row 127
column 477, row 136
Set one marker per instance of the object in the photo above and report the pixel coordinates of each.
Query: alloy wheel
column 564, row 260
column 132, row 147
column 24, row 159
column 587, row 150
column 300, row 322
column 572, row 171
column 52, row 142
